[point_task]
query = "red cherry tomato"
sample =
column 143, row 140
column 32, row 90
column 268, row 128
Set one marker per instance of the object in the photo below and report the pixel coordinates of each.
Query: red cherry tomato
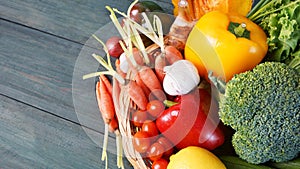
column 160, row 164
column 155, row 151
column 141, row 141
column 167, row 145
column 155, row 108
column 139, row 117
column 150, row 128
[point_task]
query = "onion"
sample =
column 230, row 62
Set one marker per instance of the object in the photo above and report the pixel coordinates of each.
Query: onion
column 114, row 47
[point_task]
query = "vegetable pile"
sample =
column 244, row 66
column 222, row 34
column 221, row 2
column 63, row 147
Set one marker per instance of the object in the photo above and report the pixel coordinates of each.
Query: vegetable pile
column 163, row 86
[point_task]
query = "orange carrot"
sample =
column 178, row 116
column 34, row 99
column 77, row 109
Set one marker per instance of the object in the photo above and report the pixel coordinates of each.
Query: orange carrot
column 118, row 69
column 149, row 78
column 113, row 125
column 137, row 95
column 142, row 85
column 106, row 83
column 160, row 63
column 172, row 54
column 105, row 102
column 98, row 95
column 137, row 56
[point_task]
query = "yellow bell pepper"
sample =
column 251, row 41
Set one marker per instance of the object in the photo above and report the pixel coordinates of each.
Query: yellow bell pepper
column 225, row 44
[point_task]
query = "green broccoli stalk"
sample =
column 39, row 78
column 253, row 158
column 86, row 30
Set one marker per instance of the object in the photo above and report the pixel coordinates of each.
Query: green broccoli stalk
column 263, row 107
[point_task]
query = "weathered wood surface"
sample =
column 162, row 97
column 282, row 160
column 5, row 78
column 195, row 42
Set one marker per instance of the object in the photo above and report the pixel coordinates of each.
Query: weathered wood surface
column 36, row 72
column 36, row 66
column 39, row 45
column 75, row 20
column 31, row 138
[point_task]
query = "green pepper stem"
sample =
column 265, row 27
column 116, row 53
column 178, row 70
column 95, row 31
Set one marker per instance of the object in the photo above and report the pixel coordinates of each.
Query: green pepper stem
column 239, row 31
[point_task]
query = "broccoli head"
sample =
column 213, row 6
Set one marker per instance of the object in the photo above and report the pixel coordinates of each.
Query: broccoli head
column 263, row 107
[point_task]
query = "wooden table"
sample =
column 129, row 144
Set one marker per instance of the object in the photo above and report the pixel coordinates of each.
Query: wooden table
column 40, row 41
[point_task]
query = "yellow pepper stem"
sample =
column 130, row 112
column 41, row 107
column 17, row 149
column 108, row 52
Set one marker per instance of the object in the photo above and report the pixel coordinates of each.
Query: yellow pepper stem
column 239, row 30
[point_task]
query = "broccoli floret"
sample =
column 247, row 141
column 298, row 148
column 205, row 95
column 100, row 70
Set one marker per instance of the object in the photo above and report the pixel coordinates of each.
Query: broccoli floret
column 263, row 106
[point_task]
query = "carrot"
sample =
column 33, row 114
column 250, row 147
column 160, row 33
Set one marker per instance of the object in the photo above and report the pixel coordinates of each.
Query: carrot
column 113, row 125
column 152, row 82
column 172, row 54
column 118, row 69
column 142, row 85
column 106, row 83
column 137, row 95
column 98, row 95
column 149, row 78
column 160, row 63
column 157, row 95
column 105, row 102
column 137, row 56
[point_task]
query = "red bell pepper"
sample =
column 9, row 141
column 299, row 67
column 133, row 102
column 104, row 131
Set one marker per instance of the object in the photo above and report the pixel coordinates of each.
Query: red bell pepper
column 187, row 124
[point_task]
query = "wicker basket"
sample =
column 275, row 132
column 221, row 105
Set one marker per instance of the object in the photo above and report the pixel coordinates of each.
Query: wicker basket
column 123, row 107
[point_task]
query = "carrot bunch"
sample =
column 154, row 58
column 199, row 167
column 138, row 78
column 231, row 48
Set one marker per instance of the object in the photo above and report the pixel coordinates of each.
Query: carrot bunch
column 143, row 79
column 104, row 90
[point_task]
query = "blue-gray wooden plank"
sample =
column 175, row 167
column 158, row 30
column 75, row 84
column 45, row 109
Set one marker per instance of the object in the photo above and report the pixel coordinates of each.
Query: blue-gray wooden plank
column 37, row 68
column 72, row 19
column 39, row 44
column 30, row 138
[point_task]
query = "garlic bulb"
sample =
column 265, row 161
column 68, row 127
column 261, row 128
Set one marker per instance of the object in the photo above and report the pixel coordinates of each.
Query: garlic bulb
column 181, row 77
column 123, row 63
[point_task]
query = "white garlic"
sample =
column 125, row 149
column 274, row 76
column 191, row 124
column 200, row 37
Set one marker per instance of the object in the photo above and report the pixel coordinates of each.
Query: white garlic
column 123, row 63
column 181, row 78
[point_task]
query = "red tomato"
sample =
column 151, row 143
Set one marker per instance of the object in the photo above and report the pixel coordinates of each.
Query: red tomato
column 167, row 145
column 160, row 164
column 150, row 128
column 155, row 151
column 141, row 141
column 139, row 117
column 186, row 124
column 155, row 108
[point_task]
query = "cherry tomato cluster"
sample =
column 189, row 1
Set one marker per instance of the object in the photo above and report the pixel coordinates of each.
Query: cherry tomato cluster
column 147, row 139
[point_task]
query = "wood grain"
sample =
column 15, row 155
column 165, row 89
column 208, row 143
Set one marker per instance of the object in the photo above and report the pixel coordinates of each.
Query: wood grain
column 75, row 20
column 30, row 138
column 39, row 46
column 37, row 68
